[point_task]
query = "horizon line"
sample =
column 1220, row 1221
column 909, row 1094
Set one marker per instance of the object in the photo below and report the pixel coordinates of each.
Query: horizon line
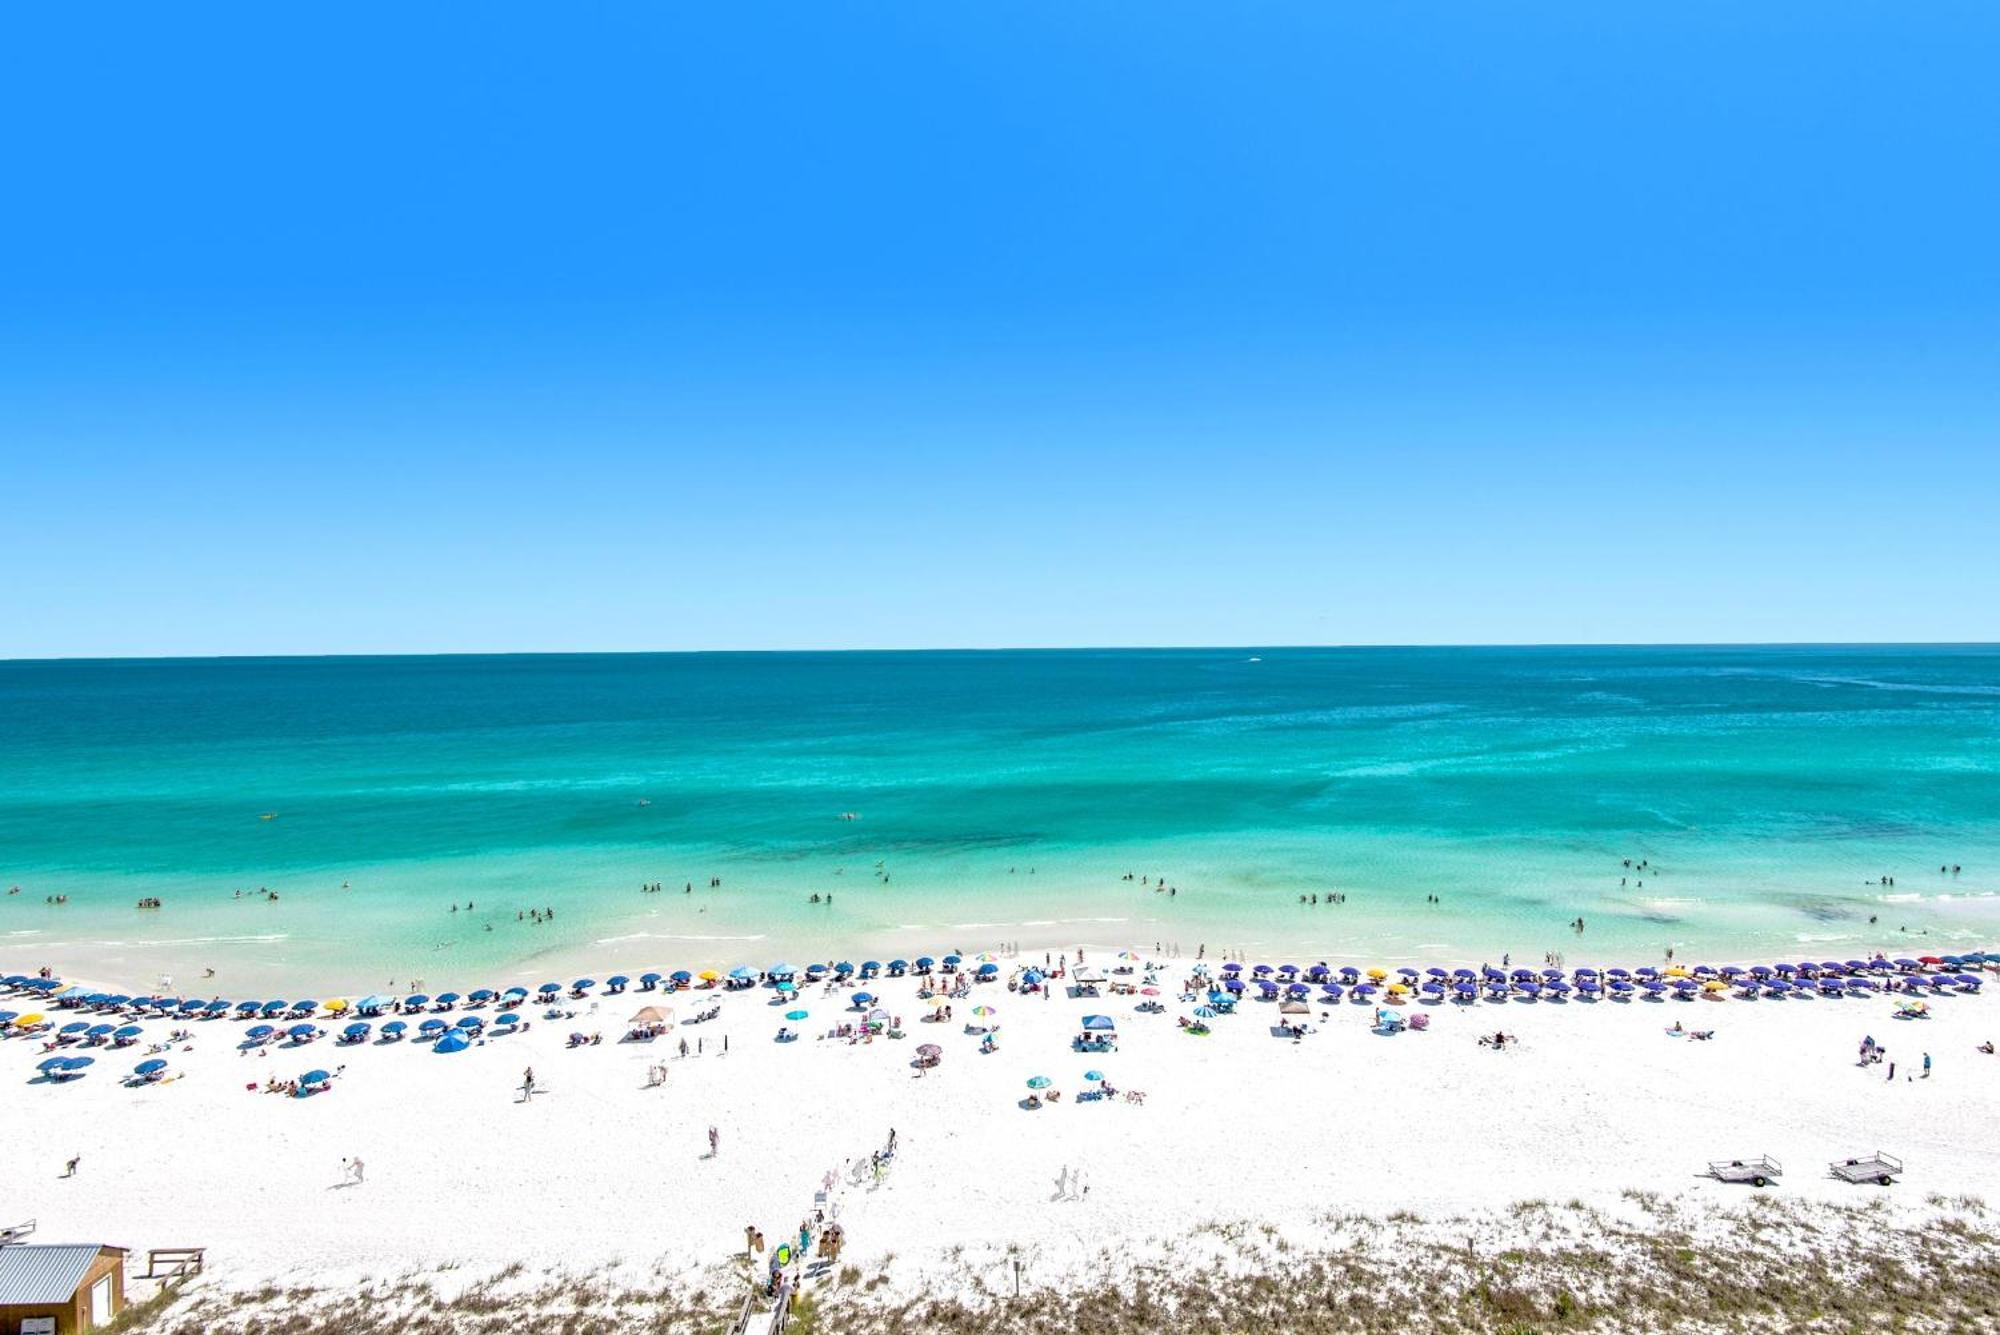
column 323, row 656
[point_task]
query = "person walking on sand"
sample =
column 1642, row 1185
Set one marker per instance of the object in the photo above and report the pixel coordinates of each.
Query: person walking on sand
column 527, row 1084
column 714, row 1142
column 1927, row 1066
column 69, row 1169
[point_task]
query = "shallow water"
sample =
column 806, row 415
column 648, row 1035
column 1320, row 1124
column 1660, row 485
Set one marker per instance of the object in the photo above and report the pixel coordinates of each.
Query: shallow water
column 999, row 796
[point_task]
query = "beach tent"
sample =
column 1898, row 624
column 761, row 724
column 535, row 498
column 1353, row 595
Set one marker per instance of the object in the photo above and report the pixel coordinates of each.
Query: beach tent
column 649, row 1015
column 1099, row 1022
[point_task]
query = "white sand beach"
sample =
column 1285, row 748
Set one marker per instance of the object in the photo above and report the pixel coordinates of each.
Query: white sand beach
column 599, row 1171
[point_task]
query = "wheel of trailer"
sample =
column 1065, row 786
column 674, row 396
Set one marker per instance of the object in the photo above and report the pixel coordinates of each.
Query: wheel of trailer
column 1885, row 1179
column 1760, row 1181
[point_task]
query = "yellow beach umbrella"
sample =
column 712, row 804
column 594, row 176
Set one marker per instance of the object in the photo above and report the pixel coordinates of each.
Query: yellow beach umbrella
column 29, row 1021
column 337, row 1005
column 708, row 975
column 1397, row 989
column 1378, row 974
column 1714, row 987
column 1678, row 972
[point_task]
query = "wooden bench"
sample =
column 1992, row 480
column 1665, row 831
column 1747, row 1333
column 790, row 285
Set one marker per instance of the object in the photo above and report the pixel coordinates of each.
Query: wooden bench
column 173, row 1262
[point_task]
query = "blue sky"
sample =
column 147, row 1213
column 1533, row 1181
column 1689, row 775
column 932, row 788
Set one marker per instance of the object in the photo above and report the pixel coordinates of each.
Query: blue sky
column 403, row 328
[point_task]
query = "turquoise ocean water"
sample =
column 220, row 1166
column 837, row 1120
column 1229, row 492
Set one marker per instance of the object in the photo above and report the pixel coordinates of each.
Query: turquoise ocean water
column 997, row 796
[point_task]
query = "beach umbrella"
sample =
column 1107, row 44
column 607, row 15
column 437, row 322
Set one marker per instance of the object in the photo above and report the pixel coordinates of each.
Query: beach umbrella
column 8, row 1017
column 1552, row 973
column 99, row 1030
column 1096, row 1077
column 447, row 998
column 797, row 1015
column 50, row 1065
column 788, row 987
column 471, row 1022
column 480, row 994
column 393, row 1028
column 740, row 973
column 1620, row 985
column 1297, row 990
column 546, row 988
column 29, row 1020
column 516, row 992
column 507, row 1021
column 988, row 970
column 431, row 1026
column 929, row 1050
column 77, row 1063
column 681, row 976
column 1099, row 1022
column 307, row 1004
column 301, row 1032
column 869, row 968
column 247, row 1007
column 314, row 1078
column 582, row 983
column 1231, row 984
column 356, row 1030
column 151, row 1067
column 953, row 961
column 1332, row 991
column 456, row 1041
column 983, row 1012
column 1038, row 1082
column 647, row 981
column 337, row 1005
column 259, row 1031
column 862, row 999
column 74, row 1027
column 898, row 966
column 416, row 999
column 710, row 976
column 274, row 1007
column 1261, row 970
column 1232, row 967
column 617, row 980
column 1617, row 973
column 1205, row 1012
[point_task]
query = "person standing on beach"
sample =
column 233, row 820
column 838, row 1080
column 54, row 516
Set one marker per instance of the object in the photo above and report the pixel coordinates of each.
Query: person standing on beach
column 527, row 1084
column 714, row 1142
column 1927, row 1066
column 69, row 1169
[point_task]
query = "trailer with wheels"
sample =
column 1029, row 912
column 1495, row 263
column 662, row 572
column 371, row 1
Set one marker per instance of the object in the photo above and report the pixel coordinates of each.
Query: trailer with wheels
column 1759, row 1172
column 1878, row 1167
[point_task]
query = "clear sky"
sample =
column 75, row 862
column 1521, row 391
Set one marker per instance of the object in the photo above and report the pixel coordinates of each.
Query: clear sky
column 373, row 328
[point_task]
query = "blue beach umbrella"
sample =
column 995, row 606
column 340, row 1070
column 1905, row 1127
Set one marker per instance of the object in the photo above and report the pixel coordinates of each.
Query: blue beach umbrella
column 471, row 1022
column 479, row 994
column 1096, row 1077
column 952, row 961
column 50, row 1065
column 796, row 1015
column 77, row 1063
column 516, row 993
column 582, row 983
column 127, row 1031
column 247, row 1008
column 431, row 1026
column 740, row 973
column 257, row 1031
column 456, row 1041
column 869, row 968
column 74, row 1027
column 647, row 981
column 394, row 1029
column 356, row 1030
column 300, row 1032
column 898, row 967
column 925, row 961
column 1233, row 984
column 617, row 981
column 151, row 1067
column 547, row 988
column 681, row 976
column 216, row 1007
column 314, row 1078
column 1333, row 992
column 988, row 970
column 863, row 998
column 507, row 1021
